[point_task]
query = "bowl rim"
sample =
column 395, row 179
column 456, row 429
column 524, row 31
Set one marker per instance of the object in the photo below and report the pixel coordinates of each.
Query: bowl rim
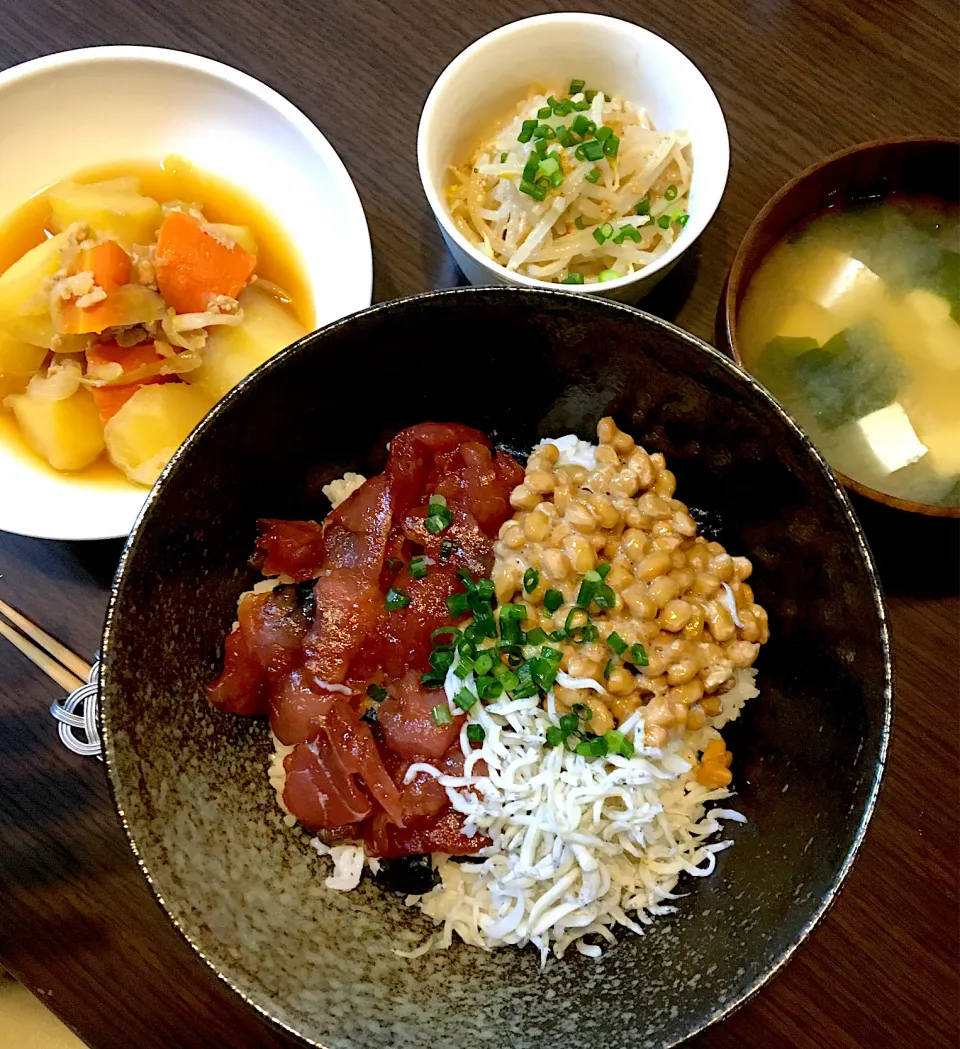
column 736, row 285
column 346, row 190
column 259, row 375
column 697, row 225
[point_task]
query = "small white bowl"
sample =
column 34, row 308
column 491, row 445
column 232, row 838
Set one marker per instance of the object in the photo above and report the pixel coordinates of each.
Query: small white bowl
column 78, row 109
column 492, row 75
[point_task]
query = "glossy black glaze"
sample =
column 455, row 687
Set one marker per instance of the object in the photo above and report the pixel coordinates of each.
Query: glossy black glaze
column 520, row 365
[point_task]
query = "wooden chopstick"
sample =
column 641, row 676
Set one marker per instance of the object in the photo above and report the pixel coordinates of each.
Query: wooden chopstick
column 49, row 666
column 45, row 641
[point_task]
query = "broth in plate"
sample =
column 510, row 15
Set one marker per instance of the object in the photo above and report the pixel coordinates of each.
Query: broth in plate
column 132, row 297
column 853, row 322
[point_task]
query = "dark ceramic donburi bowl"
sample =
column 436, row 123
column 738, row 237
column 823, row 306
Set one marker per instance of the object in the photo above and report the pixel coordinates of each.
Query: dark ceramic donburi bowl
column 190, row 783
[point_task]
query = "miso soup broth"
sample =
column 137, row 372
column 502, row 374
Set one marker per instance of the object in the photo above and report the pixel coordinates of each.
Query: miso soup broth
column 853, row 323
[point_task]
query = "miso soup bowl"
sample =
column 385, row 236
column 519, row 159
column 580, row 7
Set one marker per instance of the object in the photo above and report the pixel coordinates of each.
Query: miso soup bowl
column 869, row 170
column 488, row 79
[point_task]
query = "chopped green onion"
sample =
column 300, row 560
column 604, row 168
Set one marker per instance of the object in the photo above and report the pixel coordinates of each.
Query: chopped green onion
column 590, row 94
column 579, row 107
column 592, row 150
column 569, row 723
column 530, row 168
column 440, row 518
column 441, row 715
column 458, row 605
column 592, row 748
column 553, row 654
column 544, row 672
column 532, row 190
column 418, row 567
column 572, row 278
column 577, row 619
column 531, row 580
column 441, row 659
column 616, row 642
column 579, row 223
column 518, row 612
column 564, row 107
column 617, row 743
column 603, row 133
column 608, row 668
column 587, row 589
column 605, row 275
column 552, row 600
column 545, row 113
column 485, row 626
column 376, row 693
column 464, row 699
column 604, row 596
column 593, row 176
column 485, row 589
column 581, row 125
column 664, row 222
column 611, row 146
column 576, row 86
column 509, row 680
column 432, row 679
column 566, row 137
column 394, row 564
column 638, row 655
column 589, row 633
column 558, row 635
column 489, row 688
column 627, row 230
column 396, row 598
column 544, row 131
column 464, row 667
column 643, row 206
column 682, row 219
column 541, row 146
column 476, row 733
column 503, row 158
column 526, row 686
column 555, row 736
column 483, row 664
column 447, row 548
column 598, row 235
column 603, row 569
column 583, row 712
column 580, row 153
column 670, row 193
column 548, row 166
column 552, row 102
column 537, row 636
column 526, row 130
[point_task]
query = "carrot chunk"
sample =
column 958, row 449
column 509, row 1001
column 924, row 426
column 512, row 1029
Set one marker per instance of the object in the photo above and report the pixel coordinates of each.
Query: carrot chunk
column 110, row 399
column 192, row 265
column 109, row 264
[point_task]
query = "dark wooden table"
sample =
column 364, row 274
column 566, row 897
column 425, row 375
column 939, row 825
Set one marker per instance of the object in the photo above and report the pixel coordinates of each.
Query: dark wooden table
column 796, row 80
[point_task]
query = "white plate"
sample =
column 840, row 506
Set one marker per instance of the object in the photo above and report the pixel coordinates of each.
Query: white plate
column 78, row 109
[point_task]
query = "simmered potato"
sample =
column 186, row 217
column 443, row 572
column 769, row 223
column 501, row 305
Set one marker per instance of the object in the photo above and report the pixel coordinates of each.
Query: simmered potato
column 67, row 433
column 18, row 361
column 150, row 427
column 242, row 235
column 111, row 209
column 231, row 353
column 24, row 308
